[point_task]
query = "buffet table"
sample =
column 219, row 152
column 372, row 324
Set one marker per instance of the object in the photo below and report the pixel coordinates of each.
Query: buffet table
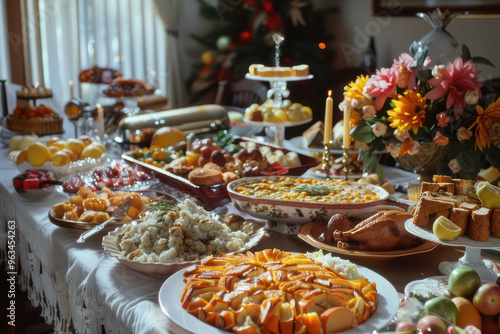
column 81, row 289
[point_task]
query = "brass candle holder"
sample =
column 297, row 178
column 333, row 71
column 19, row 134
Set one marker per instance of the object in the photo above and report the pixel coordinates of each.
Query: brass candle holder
column 347, row 162
column 327, row 159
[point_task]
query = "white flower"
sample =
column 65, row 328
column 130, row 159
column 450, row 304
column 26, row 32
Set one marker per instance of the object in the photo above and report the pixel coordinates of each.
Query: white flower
column 463, row 133
column 471, row 97
column 345, row 105
column 414, row 147
column 439, row 71
column 454, row 166
column 369, row 111
column 367, row 89
column 401, row 135
column 379, row 129
column 393, row 150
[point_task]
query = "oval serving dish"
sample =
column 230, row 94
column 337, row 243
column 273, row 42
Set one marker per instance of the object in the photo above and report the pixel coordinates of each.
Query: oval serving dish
column 298, row 212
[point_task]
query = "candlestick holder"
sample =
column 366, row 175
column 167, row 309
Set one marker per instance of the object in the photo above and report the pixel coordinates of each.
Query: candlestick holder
column 347, row 162
column 327, row 159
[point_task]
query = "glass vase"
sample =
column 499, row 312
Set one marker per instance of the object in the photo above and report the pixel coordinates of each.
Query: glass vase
column 443, row 46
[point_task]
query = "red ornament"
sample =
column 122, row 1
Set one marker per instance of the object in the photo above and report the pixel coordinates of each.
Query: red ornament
column 245, row 36
column 268, row 6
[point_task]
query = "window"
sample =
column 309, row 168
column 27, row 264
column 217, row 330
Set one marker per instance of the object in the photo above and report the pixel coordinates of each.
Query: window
column 126, row 35
column 4, row 51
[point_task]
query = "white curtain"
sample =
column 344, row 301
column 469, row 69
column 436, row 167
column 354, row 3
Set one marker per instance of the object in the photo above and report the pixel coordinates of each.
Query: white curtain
column 169, row 11
column 4, row 51
column 65, row 37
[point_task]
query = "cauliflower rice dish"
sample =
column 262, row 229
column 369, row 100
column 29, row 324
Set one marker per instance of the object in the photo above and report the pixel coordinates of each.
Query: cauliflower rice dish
column 182, row 232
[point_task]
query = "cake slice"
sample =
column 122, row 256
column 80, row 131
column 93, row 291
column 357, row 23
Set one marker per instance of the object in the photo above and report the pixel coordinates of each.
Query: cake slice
column 313, row 137
column 479, row 226
column 436, row 187
column 430, row 207
column 460, row 217
column 495, row 224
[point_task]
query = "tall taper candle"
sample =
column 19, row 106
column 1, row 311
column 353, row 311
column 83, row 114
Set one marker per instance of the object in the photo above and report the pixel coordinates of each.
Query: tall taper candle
column 71, row 89
column 328, row 118
column 100, row 120
column 347, row 128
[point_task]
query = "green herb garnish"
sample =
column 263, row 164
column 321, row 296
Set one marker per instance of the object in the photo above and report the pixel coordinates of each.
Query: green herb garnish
column 164, row 205
column 313, row 189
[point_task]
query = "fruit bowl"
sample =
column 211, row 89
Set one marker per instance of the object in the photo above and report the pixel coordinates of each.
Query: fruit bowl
column 34, row 184
column 75, row 167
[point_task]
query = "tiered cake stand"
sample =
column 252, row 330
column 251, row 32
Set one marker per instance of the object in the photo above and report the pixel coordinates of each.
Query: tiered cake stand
column 278, row 92
column 472, row 257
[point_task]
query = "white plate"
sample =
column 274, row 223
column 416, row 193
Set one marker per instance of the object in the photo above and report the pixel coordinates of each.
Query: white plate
column 428, row 287
column 279, row 124
column 290, row 78
column 170, row 293
column 460, row 241
column 111, row 245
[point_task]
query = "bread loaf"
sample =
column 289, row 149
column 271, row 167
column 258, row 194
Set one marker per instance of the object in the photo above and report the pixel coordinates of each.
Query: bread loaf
column 435, row 187
column 441, row 179
column 495, row 224
column 430, row 207
column 479, row 226
column 460, row 217
column 205, row 177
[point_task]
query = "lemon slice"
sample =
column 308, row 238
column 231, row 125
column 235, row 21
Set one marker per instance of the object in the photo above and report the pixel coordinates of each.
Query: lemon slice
column 445, row 229
column 489, row 195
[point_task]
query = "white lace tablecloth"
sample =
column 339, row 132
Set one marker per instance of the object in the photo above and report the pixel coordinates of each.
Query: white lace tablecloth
column 79, row 287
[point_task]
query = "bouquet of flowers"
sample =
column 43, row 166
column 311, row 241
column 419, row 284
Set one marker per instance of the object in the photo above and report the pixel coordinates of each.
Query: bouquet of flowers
column 402, row 107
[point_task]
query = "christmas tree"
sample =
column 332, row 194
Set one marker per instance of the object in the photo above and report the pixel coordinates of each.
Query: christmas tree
column 242, row 35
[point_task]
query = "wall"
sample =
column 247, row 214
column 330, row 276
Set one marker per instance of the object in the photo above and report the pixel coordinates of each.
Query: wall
column 393, row 35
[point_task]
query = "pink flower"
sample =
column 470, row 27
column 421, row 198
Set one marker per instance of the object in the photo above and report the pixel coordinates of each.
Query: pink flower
column 463, row 133
column 407, row 77
column 456, row 81
column 440, row 139
column 414, row 147
column 393, row 150
column 401, row 135
column 379, row 129
column 369, row 111
column 454, row 166
column 404, row 60
column 472, row 96
column 384, row 85
column 442, row 119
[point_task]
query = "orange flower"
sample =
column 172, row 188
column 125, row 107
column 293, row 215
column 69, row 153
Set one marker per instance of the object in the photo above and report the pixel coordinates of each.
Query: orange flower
column 354, row 90
column 409, row 113
column 484, row 120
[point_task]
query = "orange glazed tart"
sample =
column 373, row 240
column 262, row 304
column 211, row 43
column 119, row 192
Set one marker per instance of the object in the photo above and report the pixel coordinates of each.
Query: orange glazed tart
column 275, row 292
column 40, row 120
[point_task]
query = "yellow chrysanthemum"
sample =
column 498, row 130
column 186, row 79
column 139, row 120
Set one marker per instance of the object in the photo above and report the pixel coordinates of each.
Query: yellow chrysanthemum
column 484, row 120
column 408, row 113
column 354, row 90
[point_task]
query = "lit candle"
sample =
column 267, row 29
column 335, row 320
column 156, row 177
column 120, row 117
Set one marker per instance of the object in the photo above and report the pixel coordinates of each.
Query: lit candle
column 328, row 118
column 347, row 128
column 71, row 89
column 100, row 120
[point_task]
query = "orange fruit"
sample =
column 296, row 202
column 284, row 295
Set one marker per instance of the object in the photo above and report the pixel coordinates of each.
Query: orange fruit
column 167, row 136
column 72, row 155
column 53, row 149
column 86, row 140
column 60, row 144
column 76, row 145
column 38, row 154
column 467, row 313
column 22, row 156
column 53, row 140
column 60, row 158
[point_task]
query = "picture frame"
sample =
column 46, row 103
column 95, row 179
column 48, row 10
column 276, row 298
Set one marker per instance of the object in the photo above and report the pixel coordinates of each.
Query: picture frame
column 412, row 7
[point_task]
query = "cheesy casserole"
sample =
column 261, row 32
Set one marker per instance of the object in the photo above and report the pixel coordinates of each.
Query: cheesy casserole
column 308, row 190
